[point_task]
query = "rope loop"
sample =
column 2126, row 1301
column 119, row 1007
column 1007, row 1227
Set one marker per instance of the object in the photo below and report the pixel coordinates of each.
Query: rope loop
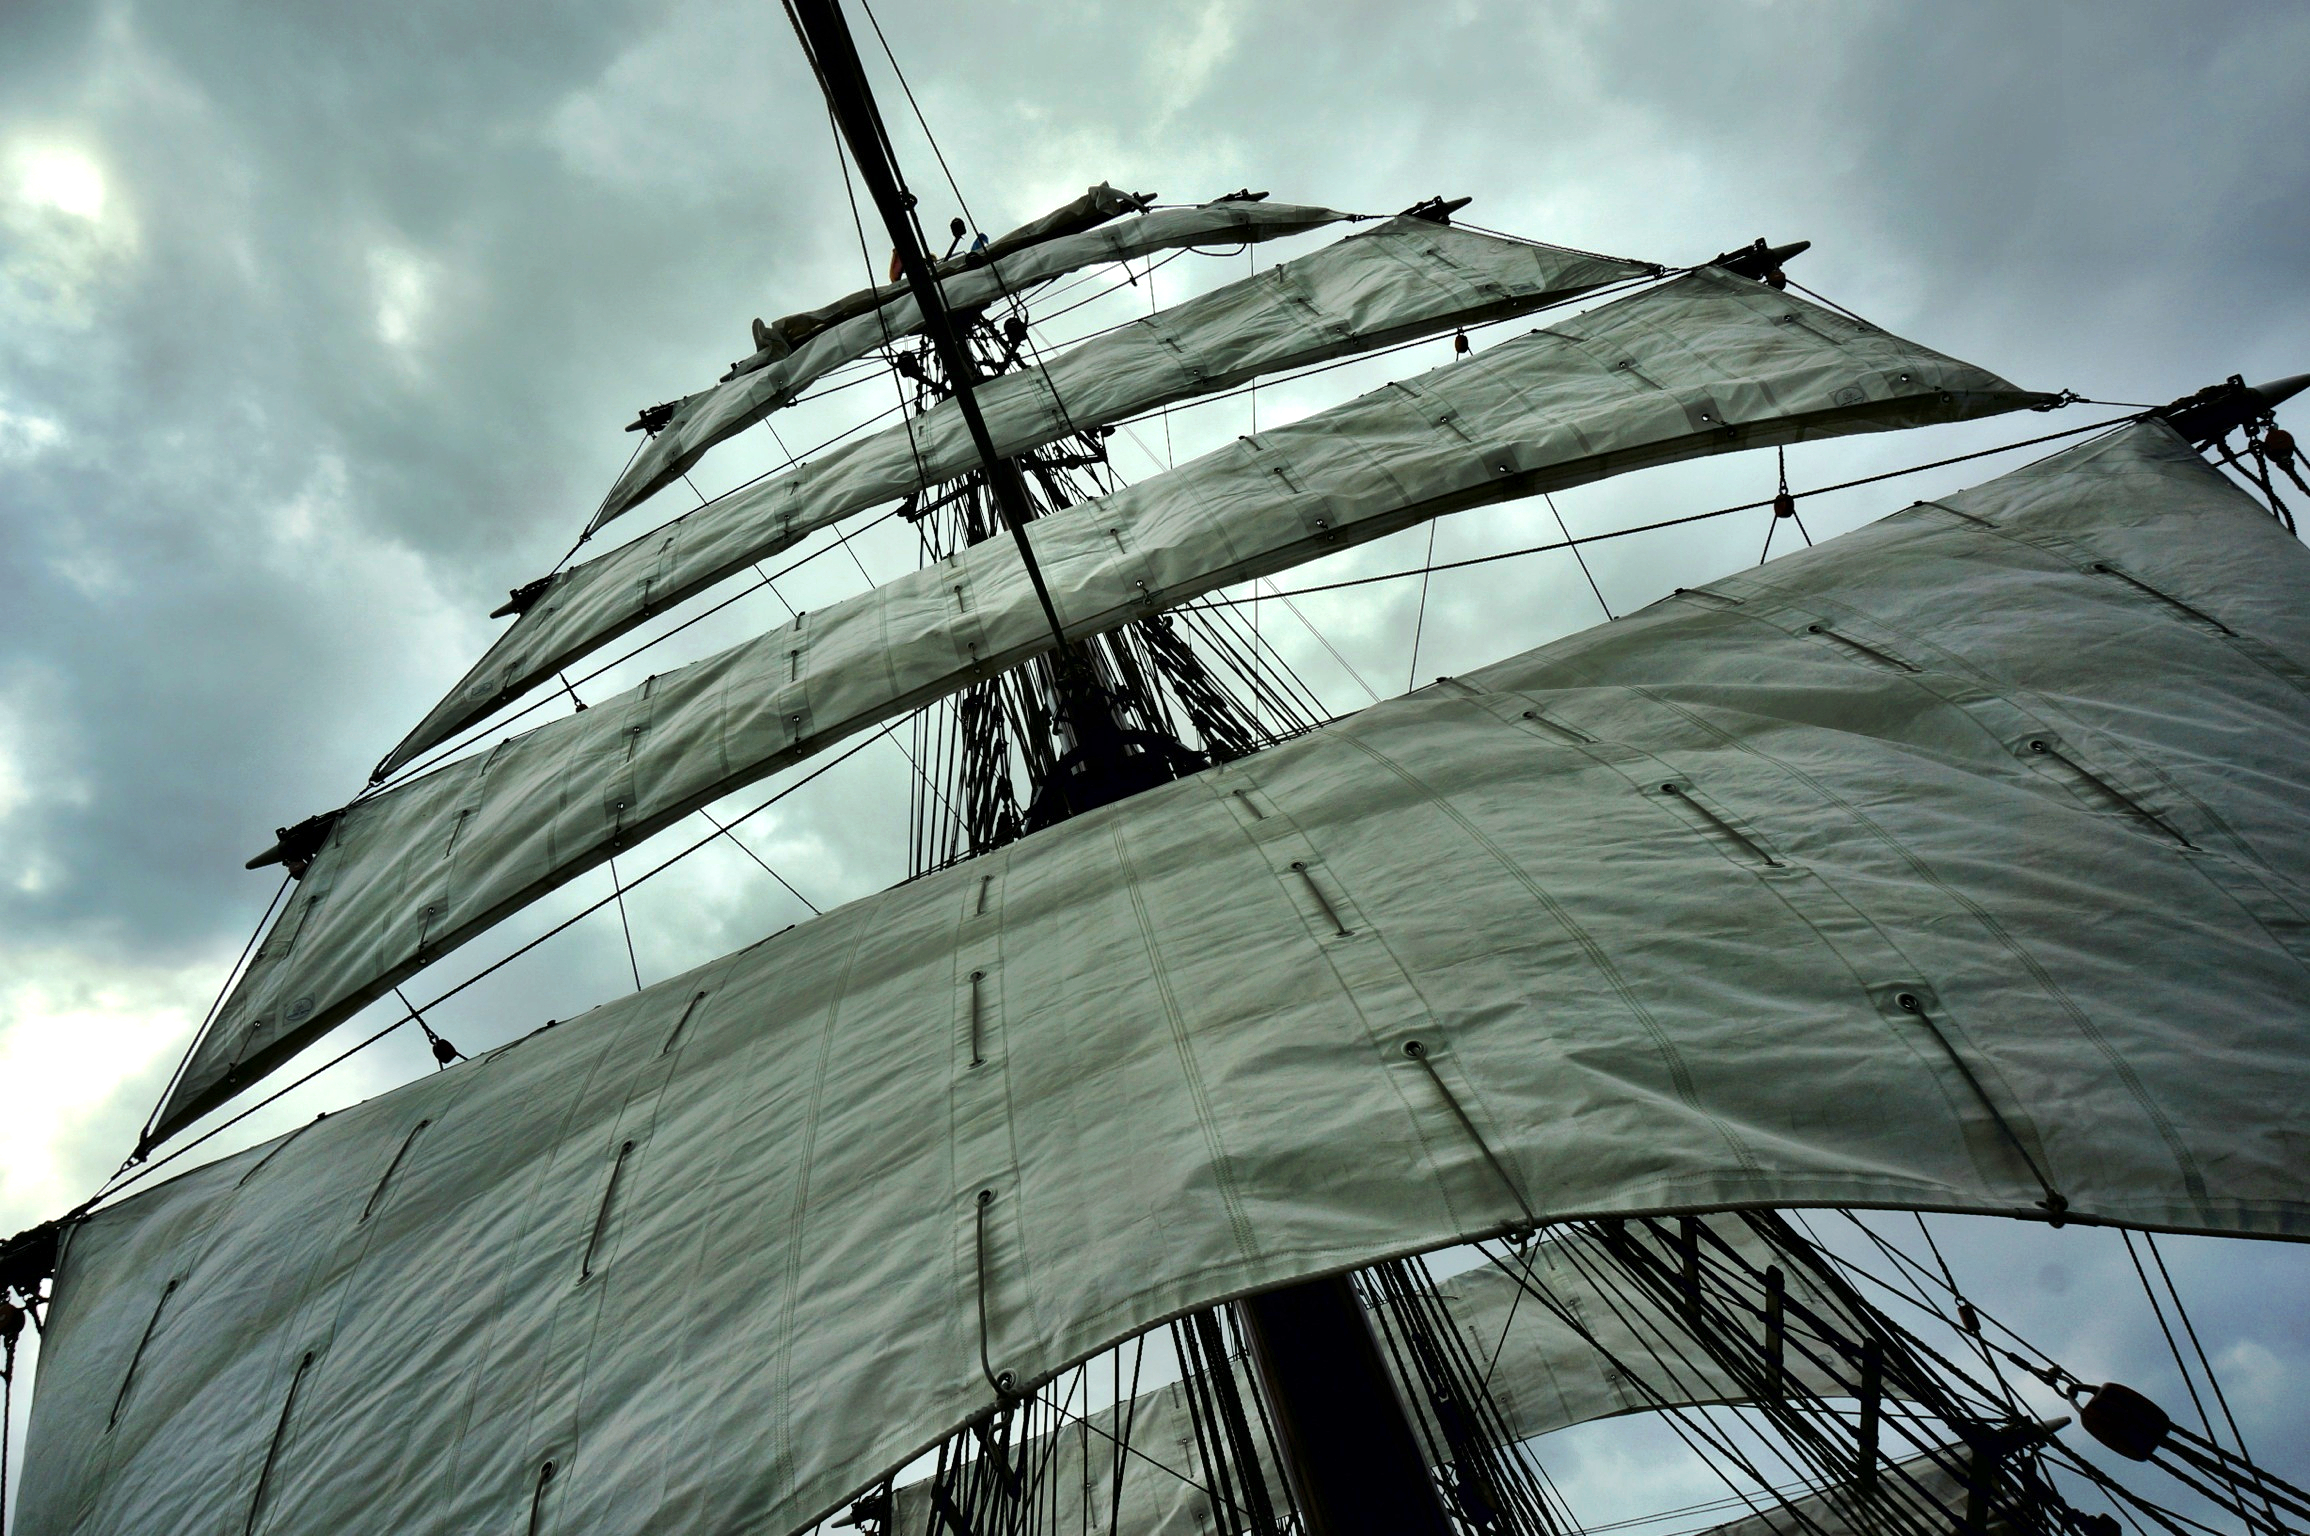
column 1418, row 1052
column 1003, row 1382
column 2055, row 1204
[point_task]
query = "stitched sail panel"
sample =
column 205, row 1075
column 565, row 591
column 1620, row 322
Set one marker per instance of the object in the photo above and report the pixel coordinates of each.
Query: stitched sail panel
column 781, row 1304
column 1404, row 279
column 1704, row 364
column 856, row 326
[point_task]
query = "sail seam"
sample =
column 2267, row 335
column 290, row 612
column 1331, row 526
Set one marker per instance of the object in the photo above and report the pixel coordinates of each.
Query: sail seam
column 1672, row 1059
column 2193, row 1179
column 1886, row 658
column 1322, row 902
column 977, row 1059
column 1183, row 1047
column 2104, row 568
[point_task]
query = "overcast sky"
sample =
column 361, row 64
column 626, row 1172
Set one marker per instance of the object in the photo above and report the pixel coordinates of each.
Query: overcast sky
column 318, row 324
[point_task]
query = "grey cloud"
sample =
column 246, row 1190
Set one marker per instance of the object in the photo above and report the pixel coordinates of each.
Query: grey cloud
column 266, row 535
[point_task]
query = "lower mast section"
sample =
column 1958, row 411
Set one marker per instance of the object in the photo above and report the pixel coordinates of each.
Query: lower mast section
column 1348, row 1451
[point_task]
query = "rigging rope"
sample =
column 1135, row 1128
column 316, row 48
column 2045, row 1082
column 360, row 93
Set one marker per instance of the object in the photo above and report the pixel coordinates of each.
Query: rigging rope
column 618, row 893
column 815, row 910
column 1420, row 619
column 117, row 1183
column 1251, row 258
column 443, row 1052
column 215, row 1003
column 2189, row 1384
column 924, row 122
column 432, row 759
column 1672, row 522
column 1671, row 1414
column 2221, row 1399
column 1578, row 556
column 1783, row 505
column 1966, row 1312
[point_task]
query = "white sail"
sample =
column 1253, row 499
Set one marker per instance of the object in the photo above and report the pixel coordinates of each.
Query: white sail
column 1704, row 364
column 715, row 1250
column 1406, row 278
column 707, row 417
column 1542, row 1374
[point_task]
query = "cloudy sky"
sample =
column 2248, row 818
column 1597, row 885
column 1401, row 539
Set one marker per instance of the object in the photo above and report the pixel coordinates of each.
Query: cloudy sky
column 318, row 325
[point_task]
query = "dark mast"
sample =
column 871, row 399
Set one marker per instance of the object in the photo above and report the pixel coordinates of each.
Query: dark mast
column 1101, row 717
column 1345, row 1442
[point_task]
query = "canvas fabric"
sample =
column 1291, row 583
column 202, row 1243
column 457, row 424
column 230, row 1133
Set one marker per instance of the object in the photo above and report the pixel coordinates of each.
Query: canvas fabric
column 1403, row 279
column 1981, row 873
column 1705, row 364
column 763, row 384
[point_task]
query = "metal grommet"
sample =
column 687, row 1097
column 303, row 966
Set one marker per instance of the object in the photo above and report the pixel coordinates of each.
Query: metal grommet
column 1414, row 1049
column 986, row 1197
column 2039, row 746
column 1908, row 1002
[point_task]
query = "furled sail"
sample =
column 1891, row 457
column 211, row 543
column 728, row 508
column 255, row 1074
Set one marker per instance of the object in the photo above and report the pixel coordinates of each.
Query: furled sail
column 1406, row 278
column 1792, row 891
column 769, row 380
column 1401, row 280
column 1703, row 364
column 779, row 337
column 1542, row 1375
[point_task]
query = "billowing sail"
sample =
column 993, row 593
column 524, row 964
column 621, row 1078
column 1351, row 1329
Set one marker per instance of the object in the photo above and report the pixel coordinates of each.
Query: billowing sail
column 1703, row 364
column 1802, row 889
column 1542, row 1375
column 769, row 380
column 1406, row 278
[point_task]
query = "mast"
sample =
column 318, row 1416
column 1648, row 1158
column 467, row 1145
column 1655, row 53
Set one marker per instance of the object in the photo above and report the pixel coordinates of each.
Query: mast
column 1350, row 1451
column 1350, row 1454
column 1105, row 766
